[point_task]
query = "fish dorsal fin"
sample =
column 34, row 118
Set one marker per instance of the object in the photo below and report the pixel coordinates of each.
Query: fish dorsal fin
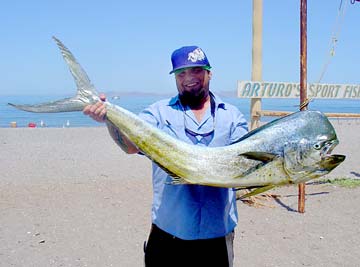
column 261, row 156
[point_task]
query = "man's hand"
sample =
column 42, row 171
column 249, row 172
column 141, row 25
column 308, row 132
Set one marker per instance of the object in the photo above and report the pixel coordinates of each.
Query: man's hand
column 97, row 111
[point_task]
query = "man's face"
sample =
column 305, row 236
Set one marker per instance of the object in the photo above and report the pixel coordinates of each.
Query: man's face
column 193, row 84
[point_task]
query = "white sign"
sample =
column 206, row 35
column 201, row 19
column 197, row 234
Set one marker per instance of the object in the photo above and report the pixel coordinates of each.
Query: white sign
column 252, row 89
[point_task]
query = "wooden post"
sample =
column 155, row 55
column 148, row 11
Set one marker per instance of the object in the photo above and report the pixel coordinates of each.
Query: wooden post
column 256, row 74
column 303, row 83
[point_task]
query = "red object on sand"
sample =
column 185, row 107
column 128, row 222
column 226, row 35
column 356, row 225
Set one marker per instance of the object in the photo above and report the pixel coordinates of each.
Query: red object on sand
column 32, row 124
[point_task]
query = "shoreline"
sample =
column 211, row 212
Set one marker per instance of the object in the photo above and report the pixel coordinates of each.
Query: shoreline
column 93, row 124
column 71, row 197
column 346, row 130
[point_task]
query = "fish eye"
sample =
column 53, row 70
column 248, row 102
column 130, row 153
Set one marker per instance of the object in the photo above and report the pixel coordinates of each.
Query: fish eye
column 317, row 146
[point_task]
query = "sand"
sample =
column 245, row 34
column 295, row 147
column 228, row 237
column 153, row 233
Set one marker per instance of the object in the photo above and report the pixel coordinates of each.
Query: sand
column 71, row 197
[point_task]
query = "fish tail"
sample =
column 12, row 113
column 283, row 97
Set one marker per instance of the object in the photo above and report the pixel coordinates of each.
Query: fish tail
column 86, row 92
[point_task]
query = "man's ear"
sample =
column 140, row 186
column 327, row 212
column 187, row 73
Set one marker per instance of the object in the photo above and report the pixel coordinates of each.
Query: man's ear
column 210, row 75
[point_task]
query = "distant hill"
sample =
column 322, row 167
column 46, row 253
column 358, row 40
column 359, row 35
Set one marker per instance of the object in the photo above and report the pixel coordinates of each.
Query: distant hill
column 231, row 93
column 115, row 94
column 135, row 93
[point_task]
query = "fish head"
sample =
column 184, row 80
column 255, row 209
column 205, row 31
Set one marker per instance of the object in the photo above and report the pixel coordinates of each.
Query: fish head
column 309, row 156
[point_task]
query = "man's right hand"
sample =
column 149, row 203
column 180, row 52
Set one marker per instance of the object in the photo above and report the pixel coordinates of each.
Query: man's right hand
column 97, row 111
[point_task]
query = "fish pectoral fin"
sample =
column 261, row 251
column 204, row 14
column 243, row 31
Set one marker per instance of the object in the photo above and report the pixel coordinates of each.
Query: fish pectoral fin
column 257, row 191
column 261, row 156
column 175, row 179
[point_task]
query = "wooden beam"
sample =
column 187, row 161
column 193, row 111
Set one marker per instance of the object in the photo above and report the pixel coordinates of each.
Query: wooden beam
column 303, row 83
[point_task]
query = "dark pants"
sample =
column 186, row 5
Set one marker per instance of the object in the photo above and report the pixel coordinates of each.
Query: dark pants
column 163, row 249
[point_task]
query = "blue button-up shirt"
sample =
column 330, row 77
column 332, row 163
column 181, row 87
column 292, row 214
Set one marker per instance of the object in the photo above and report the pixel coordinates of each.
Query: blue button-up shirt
column 194, row 211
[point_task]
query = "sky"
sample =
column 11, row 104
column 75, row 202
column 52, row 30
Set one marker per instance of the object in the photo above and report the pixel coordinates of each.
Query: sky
column 126, row 45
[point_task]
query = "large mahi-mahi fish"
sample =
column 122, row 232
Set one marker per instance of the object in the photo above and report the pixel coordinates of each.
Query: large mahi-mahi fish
column 289, row 150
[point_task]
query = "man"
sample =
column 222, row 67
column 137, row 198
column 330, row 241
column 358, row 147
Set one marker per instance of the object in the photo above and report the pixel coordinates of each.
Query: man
column 193, row 225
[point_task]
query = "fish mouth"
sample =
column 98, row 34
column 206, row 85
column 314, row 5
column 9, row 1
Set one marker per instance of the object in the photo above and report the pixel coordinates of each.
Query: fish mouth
column 328, row 161
column 332, row 161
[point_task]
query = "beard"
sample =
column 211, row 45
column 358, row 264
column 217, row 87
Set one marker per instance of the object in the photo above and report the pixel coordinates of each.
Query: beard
column 194, row 98
column 191, row 98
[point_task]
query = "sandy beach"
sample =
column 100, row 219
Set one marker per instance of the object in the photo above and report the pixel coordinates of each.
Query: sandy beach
column 71, row 197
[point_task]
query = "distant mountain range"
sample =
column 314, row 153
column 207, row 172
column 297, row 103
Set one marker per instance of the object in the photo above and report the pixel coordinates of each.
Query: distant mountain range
column 115, row 94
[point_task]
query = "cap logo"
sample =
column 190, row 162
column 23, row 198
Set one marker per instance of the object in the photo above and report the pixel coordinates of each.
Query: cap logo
column 196, row 55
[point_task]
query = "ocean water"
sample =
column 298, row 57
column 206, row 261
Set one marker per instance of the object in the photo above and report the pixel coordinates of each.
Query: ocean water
column 136, row 103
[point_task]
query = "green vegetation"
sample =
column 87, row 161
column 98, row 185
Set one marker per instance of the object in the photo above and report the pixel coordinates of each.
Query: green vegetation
column 344, row 182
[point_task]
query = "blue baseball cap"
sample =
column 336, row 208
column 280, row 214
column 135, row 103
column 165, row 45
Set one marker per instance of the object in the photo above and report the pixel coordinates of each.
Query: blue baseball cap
column 187, row 57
